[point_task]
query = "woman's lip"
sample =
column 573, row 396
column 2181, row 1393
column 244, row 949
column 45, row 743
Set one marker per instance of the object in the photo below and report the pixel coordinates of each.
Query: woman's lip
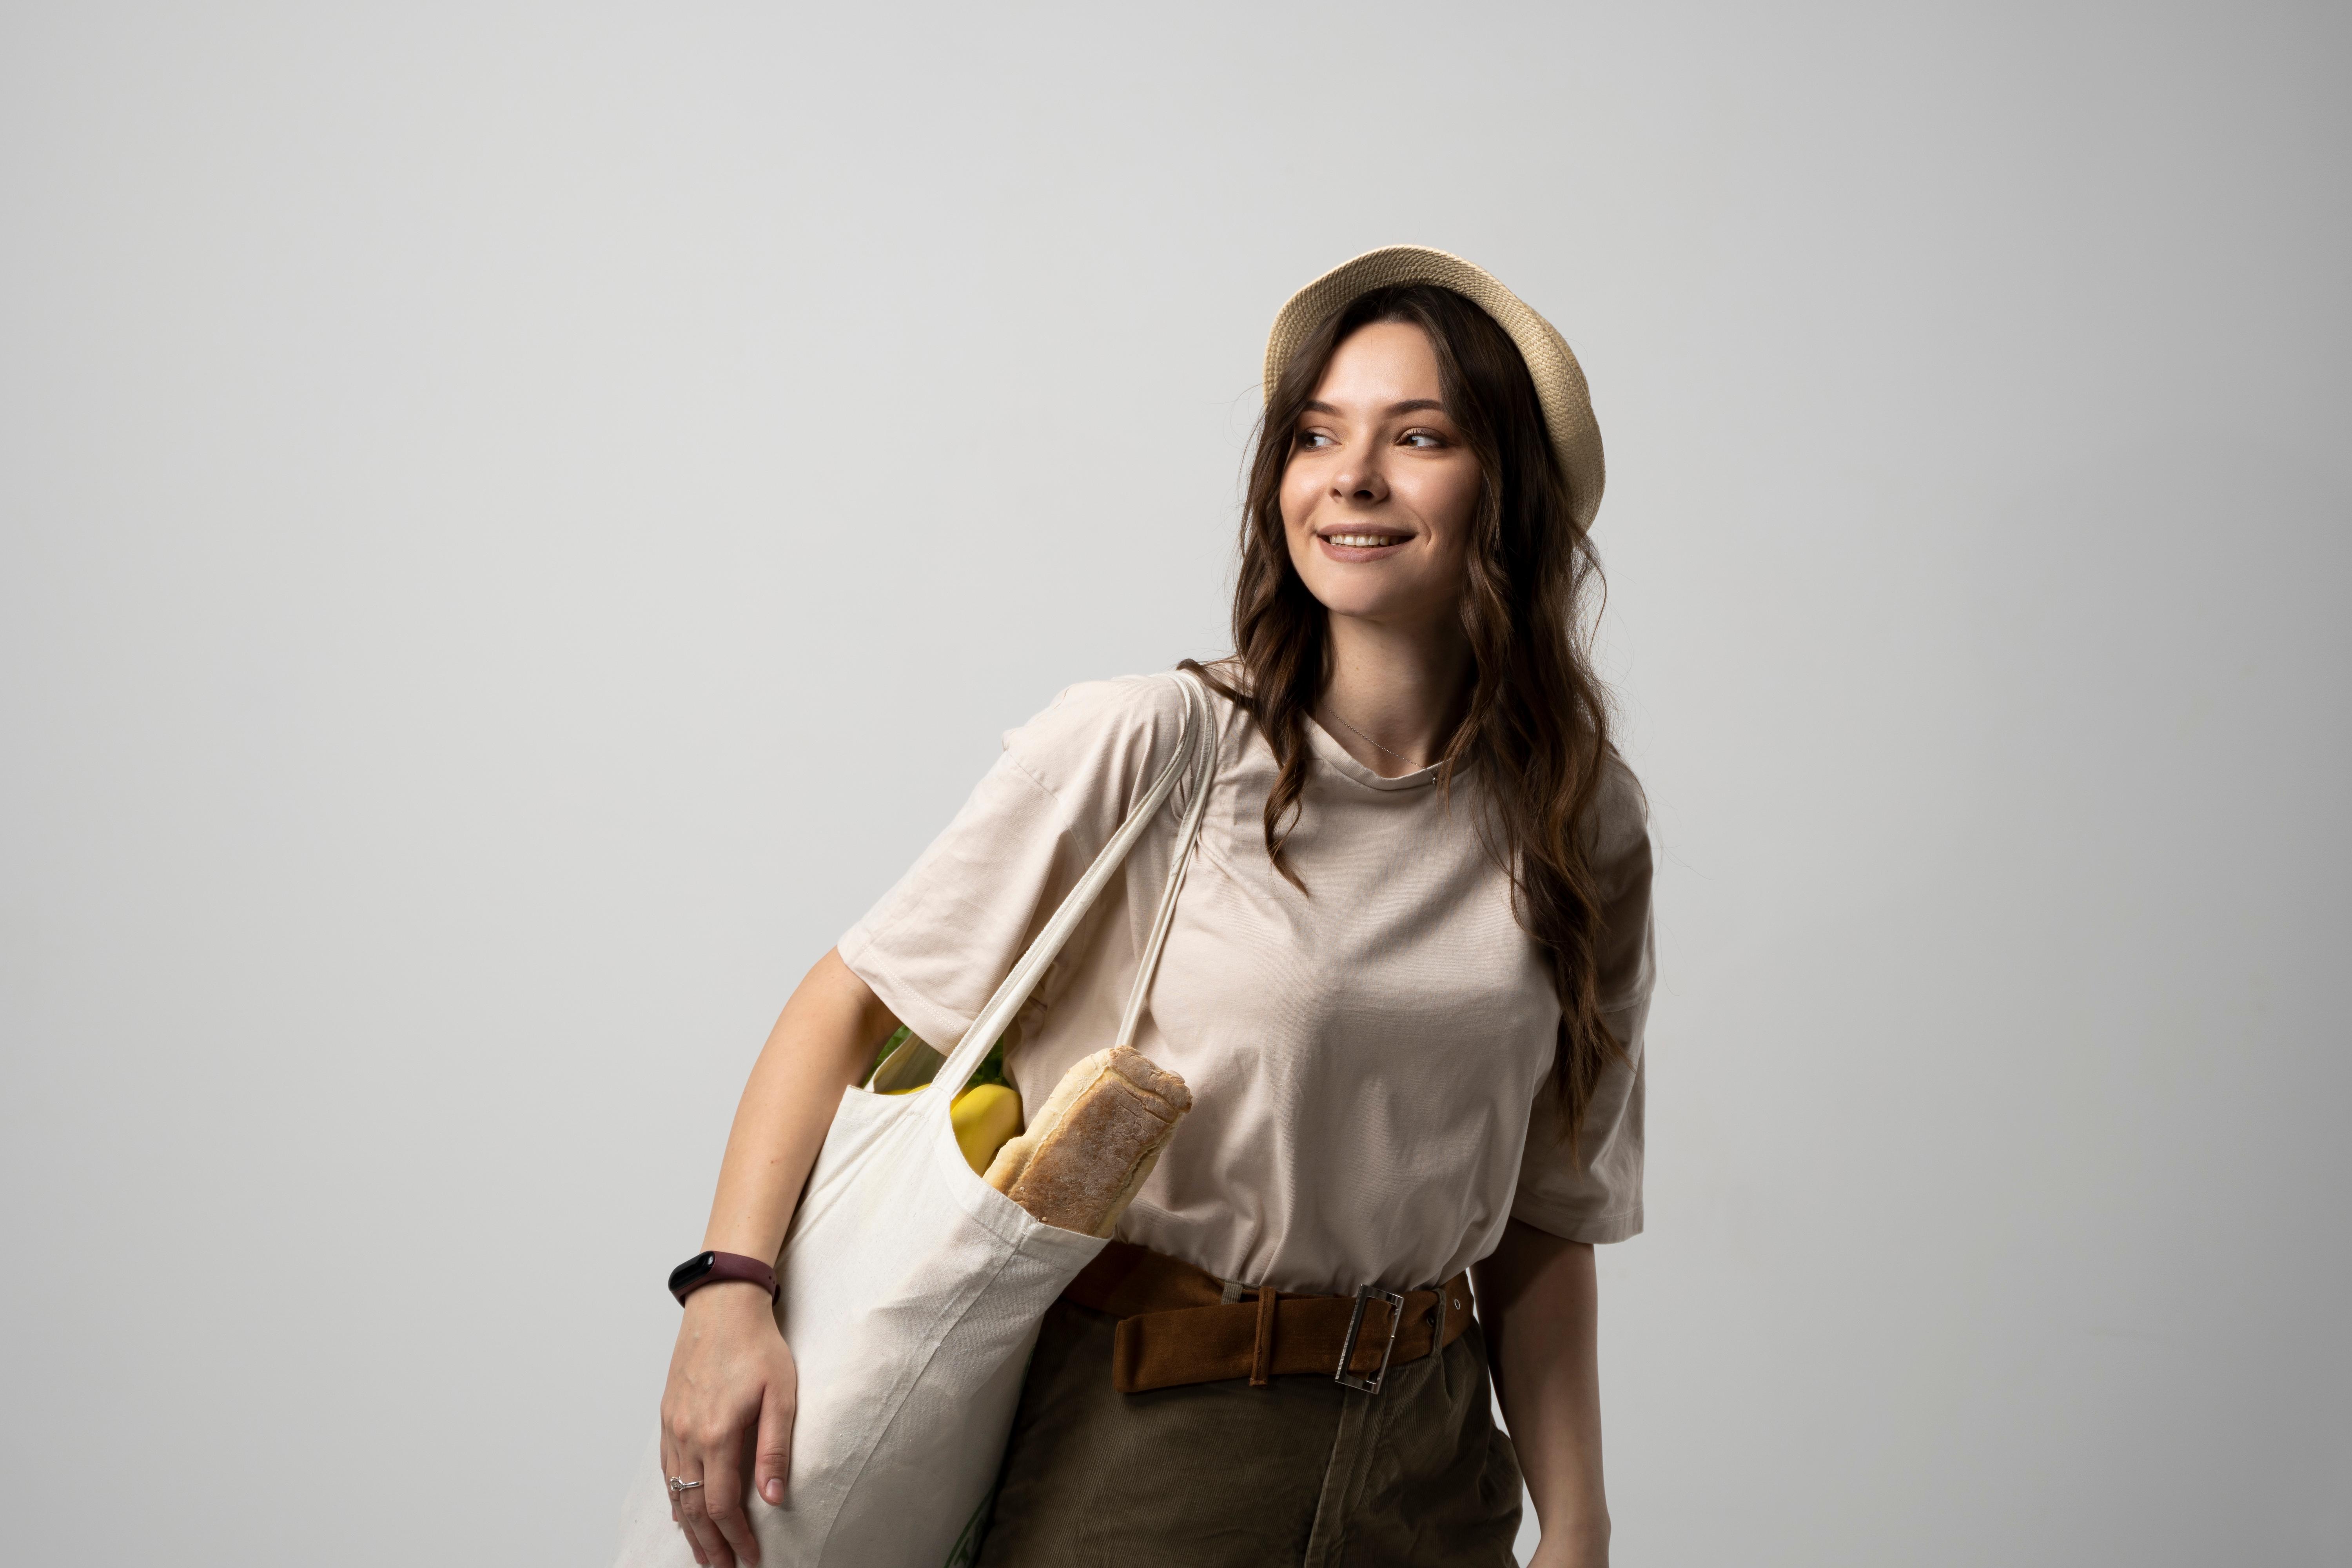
column 1339, row 551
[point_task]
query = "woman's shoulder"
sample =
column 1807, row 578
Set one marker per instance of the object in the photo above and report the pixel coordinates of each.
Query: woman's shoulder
column 1120, row 705
column 1103, row 737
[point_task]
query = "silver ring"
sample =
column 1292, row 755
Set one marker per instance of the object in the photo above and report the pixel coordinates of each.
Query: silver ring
column 678, row 1486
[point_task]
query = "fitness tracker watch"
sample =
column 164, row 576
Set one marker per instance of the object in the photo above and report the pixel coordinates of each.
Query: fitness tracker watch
column 709, row 1268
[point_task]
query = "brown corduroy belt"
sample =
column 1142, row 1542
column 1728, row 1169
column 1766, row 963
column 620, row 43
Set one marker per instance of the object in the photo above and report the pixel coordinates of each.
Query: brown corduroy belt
column 1175, row 1326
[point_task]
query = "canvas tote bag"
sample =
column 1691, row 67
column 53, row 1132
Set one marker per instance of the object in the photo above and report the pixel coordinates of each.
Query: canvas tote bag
column 913, row 1290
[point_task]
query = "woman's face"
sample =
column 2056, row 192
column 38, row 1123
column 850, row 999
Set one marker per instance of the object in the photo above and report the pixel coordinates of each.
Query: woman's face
column 1378, row 499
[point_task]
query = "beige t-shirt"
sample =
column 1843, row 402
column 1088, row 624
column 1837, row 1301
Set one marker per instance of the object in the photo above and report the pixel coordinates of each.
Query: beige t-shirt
column 1369, row 1061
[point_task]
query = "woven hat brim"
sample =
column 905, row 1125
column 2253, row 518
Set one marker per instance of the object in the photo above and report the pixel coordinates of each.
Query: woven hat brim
column 1560, row 380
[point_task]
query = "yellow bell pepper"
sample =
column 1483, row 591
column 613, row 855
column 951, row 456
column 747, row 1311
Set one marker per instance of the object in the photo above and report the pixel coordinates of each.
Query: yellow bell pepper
column 986, row 1116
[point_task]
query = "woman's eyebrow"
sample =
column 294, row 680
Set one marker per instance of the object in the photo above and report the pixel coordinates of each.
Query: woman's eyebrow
column 1411, row 405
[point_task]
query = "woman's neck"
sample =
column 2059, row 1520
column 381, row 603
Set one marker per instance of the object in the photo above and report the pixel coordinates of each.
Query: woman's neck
column 1393, row 694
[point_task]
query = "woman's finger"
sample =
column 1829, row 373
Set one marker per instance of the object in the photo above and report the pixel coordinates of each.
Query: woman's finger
column 772, row 1460
column 690, row 1462
column 676, row 1513
column 709, row 1545
column 724, row 1471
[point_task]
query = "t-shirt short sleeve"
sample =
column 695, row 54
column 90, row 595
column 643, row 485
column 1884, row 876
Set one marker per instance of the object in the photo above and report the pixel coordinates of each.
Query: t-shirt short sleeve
column 941, row 942
column 1592, row 1191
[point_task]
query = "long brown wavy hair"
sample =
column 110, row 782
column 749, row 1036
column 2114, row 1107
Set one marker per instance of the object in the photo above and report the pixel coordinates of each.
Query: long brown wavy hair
column 1536, row 726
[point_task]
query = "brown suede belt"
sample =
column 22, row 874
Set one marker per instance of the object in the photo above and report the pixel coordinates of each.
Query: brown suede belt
column 1175, row 1326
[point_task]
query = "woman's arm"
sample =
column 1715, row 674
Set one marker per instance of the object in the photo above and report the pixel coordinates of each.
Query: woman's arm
column 1540, row 1307
column 731, row 1375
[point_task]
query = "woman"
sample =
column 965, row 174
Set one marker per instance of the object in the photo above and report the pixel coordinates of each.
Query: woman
column 1406, row 983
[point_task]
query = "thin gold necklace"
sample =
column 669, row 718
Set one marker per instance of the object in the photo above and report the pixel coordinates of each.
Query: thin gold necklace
column 1410, row 764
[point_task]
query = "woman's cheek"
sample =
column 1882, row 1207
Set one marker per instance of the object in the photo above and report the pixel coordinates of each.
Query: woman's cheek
column 1297, row 501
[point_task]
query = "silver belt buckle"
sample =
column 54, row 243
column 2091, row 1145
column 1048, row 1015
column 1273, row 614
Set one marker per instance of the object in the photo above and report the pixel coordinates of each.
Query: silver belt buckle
column 1355, row 1324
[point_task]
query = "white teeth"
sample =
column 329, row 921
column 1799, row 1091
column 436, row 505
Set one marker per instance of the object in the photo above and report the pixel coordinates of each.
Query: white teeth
column 1362, row 541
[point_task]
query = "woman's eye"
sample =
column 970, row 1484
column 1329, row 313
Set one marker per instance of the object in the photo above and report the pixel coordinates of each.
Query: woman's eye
column 1423, row 438
column 1313, row 438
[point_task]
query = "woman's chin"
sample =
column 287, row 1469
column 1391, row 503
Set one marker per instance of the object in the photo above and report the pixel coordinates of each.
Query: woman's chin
column 1375, row 596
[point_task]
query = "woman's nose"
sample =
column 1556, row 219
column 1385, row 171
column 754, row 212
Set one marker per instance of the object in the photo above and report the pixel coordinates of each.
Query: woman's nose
column 1360, row 482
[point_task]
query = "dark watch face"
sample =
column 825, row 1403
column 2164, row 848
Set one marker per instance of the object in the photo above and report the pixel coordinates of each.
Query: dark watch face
column 692, row 1269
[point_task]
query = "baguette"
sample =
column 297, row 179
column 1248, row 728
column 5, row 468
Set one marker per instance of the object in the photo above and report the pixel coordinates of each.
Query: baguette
column 1093, row 1142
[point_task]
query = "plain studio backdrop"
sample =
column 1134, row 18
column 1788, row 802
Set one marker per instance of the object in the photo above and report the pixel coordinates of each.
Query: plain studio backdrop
column 520, row 523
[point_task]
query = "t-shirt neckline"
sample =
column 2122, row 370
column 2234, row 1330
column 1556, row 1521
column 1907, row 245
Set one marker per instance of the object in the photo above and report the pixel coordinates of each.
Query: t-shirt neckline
column 1330, row 751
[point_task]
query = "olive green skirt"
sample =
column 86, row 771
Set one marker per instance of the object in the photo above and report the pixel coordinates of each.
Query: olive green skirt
column 1221, row 1474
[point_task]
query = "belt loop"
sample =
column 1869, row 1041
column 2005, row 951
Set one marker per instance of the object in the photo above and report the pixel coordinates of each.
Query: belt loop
column 1262, row 1358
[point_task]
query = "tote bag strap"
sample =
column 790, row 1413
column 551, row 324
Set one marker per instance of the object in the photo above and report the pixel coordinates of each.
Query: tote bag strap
column 1196, row 751
column 1204, row 771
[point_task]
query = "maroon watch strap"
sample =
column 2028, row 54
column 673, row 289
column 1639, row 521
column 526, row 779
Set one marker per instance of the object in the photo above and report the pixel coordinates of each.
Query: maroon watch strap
column 712, row 1267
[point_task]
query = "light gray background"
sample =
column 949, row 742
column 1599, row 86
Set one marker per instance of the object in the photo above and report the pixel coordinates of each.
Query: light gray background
column 521, row 522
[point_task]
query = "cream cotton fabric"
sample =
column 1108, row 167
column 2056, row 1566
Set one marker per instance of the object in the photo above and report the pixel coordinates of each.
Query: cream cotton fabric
column 1369, row 1060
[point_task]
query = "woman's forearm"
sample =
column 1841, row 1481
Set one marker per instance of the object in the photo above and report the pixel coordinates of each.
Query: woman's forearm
column 821, row 1045
column 1540, row 1303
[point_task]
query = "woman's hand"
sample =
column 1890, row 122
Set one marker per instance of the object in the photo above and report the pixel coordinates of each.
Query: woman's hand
column 727, row 1415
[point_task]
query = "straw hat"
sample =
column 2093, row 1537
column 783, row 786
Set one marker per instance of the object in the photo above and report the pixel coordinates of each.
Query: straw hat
column 1560, row 382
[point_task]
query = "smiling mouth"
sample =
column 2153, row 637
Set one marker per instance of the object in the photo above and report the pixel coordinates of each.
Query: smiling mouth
column 1361, row 539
